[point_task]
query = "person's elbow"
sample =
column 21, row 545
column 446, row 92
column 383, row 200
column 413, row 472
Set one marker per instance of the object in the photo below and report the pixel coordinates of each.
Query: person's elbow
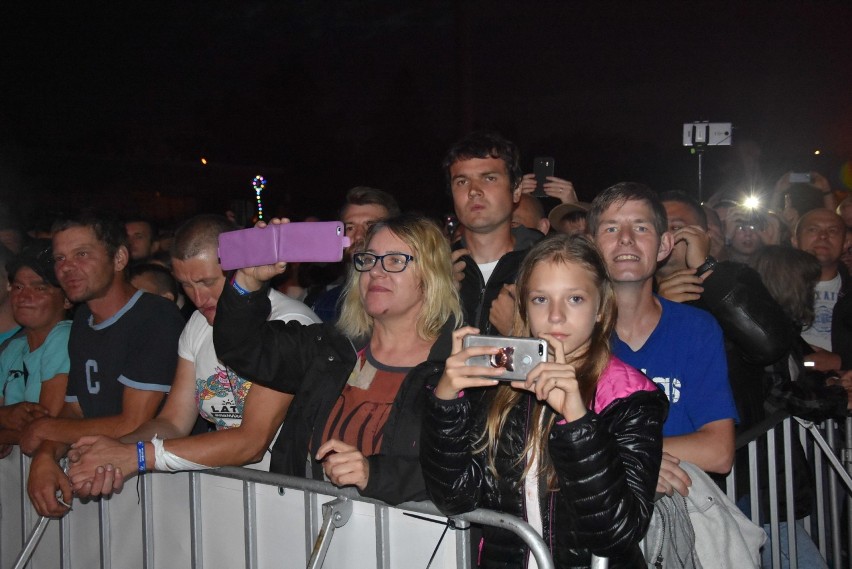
column 722, row 461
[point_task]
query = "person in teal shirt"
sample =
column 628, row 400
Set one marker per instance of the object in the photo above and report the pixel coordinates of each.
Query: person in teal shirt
column 34, row 366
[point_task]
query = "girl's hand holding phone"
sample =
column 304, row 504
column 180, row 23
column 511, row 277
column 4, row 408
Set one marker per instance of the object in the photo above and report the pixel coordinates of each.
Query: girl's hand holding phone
column 457, row 375
column 555, row 382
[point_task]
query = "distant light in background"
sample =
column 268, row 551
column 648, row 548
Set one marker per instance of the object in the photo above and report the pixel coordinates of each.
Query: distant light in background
column 816, row 152
column 752, row 202
column 204, row 161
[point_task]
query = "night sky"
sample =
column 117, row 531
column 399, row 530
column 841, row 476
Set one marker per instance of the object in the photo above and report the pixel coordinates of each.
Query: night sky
column 116, row 106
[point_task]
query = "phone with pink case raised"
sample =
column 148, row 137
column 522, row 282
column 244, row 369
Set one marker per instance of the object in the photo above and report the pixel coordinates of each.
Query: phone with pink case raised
column 304, row 242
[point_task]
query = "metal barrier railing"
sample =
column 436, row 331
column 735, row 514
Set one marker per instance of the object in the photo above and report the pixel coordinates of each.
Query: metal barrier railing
column 822, row 448
column 825, row 525
column 320, row 522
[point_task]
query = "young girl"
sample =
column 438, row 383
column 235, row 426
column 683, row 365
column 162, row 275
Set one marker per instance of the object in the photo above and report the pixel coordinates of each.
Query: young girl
column 575, row 449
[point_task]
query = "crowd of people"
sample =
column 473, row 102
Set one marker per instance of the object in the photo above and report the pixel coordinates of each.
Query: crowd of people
column 671, row 327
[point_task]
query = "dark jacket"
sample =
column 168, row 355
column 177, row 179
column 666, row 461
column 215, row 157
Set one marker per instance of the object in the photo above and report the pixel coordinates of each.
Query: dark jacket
column 756, row 331
column 476, row 295
column 841, row 320
column 607, row 466
column 759, row 340
column 314, row 362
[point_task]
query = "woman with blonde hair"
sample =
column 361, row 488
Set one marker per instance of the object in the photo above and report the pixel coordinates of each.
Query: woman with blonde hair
column 350, row 396
column 575, row 448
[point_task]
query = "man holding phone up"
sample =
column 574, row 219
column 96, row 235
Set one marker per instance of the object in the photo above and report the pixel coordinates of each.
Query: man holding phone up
column 484, row 175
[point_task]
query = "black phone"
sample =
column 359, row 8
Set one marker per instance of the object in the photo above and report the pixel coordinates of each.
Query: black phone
column 543, row 167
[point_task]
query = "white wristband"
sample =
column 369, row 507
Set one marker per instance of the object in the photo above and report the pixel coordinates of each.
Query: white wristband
column 165, row 461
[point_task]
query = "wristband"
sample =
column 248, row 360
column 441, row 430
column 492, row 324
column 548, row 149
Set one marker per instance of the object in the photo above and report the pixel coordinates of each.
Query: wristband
column 709, row 265
column 140, row 456
column 165, row 461
column 240, row 290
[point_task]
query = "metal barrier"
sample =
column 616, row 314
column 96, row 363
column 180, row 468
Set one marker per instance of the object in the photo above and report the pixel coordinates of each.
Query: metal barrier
column 822, row 446
column 243, row 517
column 284, row 522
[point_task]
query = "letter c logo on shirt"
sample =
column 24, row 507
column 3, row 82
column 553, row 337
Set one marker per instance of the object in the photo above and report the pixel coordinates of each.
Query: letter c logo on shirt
column 93, row 386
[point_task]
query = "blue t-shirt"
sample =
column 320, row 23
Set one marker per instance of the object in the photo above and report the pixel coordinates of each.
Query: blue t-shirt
column 685, row 356
column 22, row 372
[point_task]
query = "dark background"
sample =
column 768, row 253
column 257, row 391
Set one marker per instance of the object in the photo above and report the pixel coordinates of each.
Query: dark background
column 116, row 105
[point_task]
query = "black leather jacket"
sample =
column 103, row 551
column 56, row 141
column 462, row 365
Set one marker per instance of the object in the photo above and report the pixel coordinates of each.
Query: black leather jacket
column 607, row 465
column 756, row 329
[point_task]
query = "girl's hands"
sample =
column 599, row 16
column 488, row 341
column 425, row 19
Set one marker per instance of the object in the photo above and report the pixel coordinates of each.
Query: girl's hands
column 458, row 376
column 555, row 383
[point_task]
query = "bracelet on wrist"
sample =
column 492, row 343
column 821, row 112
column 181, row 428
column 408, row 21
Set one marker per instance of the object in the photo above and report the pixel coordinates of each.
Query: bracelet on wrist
column 708, row 265
column 140, row 456
column 240, row 290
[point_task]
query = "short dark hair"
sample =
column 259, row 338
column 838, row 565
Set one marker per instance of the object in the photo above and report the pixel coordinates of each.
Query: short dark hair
column 199, row 234
column 162, row 277
column 108, row 229
column 151, row 225
column 485, row 144
column 689, row 201
column 365, row 195
column 624, row 192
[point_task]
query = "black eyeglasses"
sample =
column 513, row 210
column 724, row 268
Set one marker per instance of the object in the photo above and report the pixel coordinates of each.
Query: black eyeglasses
column 392, row 262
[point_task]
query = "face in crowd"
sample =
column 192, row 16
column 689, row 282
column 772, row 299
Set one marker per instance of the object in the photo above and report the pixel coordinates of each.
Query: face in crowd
column 202, row 280
column 629, row 242
column 482, row 193
column 357, row 220
column 394, row 293
column 140, row 239
column 85, row 268
column 821, row 233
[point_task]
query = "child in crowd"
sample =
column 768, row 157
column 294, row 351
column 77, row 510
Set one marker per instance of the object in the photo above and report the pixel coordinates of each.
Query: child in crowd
column 574, row 449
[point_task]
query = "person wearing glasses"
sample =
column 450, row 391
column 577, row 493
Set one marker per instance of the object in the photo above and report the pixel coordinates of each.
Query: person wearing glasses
column 34, row 365
column 353, row 393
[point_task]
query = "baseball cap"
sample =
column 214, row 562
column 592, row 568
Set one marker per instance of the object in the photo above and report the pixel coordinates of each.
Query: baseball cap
column 557, row 213
column 38, row 256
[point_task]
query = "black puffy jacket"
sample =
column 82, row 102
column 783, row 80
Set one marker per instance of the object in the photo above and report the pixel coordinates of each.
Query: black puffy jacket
column 607, row 465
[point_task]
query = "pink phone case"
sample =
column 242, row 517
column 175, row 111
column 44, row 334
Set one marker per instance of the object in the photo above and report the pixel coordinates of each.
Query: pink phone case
column 306, row 242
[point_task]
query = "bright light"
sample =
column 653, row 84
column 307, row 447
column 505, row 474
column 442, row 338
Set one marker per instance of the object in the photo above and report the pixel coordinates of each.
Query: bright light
column 816, row 152
column 752, row 202
column 204, row 161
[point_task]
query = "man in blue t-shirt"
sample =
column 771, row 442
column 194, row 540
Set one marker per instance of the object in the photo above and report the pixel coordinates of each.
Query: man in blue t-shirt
column 122, row 350
column 679, row 347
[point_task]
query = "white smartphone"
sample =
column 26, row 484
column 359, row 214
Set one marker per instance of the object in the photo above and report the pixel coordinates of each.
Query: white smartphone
column 517, row 356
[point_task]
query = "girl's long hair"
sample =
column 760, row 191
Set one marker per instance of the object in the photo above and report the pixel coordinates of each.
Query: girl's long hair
column 588, row 365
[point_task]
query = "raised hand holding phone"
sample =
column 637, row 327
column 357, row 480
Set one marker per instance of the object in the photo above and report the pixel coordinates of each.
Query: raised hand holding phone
column 555, row 382
column 459, row 376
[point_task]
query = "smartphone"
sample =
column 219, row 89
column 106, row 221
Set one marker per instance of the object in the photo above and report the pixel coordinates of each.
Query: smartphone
column 305, row 242
column 800, row 177
column 517, row 356
column 543, row 166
